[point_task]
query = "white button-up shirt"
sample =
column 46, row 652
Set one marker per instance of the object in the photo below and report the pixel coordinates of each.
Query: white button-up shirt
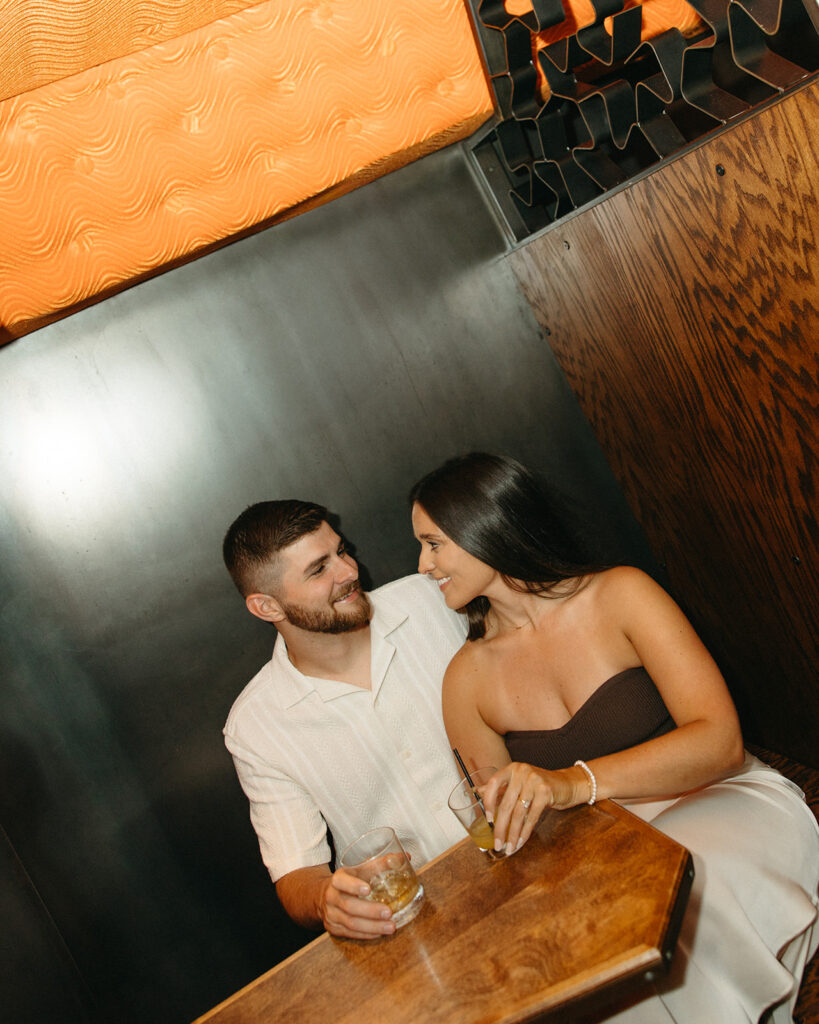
column 313, row 754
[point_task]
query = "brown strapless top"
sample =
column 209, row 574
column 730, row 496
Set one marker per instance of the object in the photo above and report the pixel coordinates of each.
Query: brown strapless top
column 626, row 710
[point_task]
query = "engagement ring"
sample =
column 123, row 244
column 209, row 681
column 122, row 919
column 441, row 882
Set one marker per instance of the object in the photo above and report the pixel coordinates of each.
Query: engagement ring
column 526, row 803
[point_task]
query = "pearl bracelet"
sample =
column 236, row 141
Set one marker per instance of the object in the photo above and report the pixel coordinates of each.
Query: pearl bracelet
column 592, row 779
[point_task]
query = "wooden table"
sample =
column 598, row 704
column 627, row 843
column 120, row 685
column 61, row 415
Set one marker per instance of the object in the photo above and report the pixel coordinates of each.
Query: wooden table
column 588, row 910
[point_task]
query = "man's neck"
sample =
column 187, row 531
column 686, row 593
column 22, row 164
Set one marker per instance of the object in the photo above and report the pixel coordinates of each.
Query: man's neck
column 341, row 656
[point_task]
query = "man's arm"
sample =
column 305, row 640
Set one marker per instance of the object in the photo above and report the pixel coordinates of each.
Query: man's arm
column 315, row 898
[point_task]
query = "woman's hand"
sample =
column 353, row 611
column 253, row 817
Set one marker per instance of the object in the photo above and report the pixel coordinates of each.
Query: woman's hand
column 516, row 796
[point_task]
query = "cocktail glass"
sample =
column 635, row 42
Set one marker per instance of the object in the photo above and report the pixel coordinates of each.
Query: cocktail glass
column 466, row 804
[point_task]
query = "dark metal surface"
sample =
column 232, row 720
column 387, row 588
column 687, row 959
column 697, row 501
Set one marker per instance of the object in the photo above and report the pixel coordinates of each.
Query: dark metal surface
column 39, row 983
column 773, row 43
column 334, row 357
column 613, row 106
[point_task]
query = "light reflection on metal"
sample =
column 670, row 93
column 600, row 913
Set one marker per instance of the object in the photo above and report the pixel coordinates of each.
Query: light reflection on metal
column 70, row 464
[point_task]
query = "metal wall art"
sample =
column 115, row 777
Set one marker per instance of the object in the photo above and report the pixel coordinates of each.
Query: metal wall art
column 602, row 105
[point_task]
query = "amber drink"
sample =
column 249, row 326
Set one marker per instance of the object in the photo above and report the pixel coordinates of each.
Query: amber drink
column 379, row 859
column 466, row 804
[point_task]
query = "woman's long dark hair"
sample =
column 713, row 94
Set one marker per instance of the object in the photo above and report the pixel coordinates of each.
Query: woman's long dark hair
column 495, row 509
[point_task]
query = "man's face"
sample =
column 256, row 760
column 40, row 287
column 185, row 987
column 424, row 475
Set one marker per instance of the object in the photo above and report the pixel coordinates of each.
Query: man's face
column 318, row 589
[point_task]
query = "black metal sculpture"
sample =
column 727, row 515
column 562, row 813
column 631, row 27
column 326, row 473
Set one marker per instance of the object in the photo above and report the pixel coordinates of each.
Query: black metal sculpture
column 617, row 105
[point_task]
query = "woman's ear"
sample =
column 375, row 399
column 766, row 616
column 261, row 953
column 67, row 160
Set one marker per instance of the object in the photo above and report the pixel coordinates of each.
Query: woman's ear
column 265, row 607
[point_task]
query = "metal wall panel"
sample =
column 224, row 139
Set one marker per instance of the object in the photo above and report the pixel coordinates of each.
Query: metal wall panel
column 39, row 982
column 334, row 357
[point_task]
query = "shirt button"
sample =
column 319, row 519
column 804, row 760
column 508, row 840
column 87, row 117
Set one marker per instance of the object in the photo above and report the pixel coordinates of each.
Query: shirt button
column 406, row 754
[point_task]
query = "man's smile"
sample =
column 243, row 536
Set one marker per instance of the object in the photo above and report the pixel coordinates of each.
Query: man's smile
column 349, row 595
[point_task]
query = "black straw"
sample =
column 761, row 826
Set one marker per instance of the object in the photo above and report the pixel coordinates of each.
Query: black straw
column 472, row 785
column 463, row 767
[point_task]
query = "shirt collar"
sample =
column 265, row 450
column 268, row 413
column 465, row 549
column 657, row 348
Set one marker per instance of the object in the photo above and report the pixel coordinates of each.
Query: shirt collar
column 294, row 686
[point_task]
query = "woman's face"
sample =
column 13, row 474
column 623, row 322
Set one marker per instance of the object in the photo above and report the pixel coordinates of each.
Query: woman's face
column 460, row 576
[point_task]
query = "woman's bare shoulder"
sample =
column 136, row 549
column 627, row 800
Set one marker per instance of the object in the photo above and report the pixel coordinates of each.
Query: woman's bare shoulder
column 622, row 581
column 469, row 654
column 621, row 594
column 467, row 665
column 635, row 603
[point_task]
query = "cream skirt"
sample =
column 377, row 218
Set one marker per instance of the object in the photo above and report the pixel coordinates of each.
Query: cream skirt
column 750, row 925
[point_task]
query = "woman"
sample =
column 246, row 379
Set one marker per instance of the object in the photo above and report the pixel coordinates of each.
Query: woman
column 582, row 682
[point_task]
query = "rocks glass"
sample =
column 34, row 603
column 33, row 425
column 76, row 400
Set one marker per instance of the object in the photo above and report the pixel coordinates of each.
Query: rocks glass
column 379, row 859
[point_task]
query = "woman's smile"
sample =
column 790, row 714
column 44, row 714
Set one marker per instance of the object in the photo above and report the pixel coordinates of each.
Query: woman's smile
column 460, row 576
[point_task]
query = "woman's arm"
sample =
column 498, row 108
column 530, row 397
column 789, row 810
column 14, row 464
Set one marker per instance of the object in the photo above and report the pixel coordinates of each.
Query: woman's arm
column 705, row 746
column 707, row 743
column 478, row 744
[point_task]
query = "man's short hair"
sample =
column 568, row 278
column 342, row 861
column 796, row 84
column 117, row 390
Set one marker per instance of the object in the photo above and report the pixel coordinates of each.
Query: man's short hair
column 260, row 533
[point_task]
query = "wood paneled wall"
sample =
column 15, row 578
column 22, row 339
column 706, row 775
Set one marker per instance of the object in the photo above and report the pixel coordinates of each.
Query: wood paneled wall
column 685, row 312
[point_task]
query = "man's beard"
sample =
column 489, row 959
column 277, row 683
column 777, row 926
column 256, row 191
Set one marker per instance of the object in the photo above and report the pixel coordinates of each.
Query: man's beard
column 329, row 620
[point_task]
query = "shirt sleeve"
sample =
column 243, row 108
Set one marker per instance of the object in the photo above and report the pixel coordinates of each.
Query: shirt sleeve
column 291, row 831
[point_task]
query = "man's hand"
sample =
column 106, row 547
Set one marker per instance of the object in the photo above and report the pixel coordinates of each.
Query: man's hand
column 346, row 913
column 315, row 898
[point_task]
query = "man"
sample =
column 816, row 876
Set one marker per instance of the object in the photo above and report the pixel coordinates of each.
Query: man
column 342, row 729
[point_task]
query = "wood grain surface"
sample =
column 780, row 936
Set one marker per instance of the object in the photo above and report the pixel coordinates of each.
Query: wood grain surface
column 684, row 311
column 554, row 926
